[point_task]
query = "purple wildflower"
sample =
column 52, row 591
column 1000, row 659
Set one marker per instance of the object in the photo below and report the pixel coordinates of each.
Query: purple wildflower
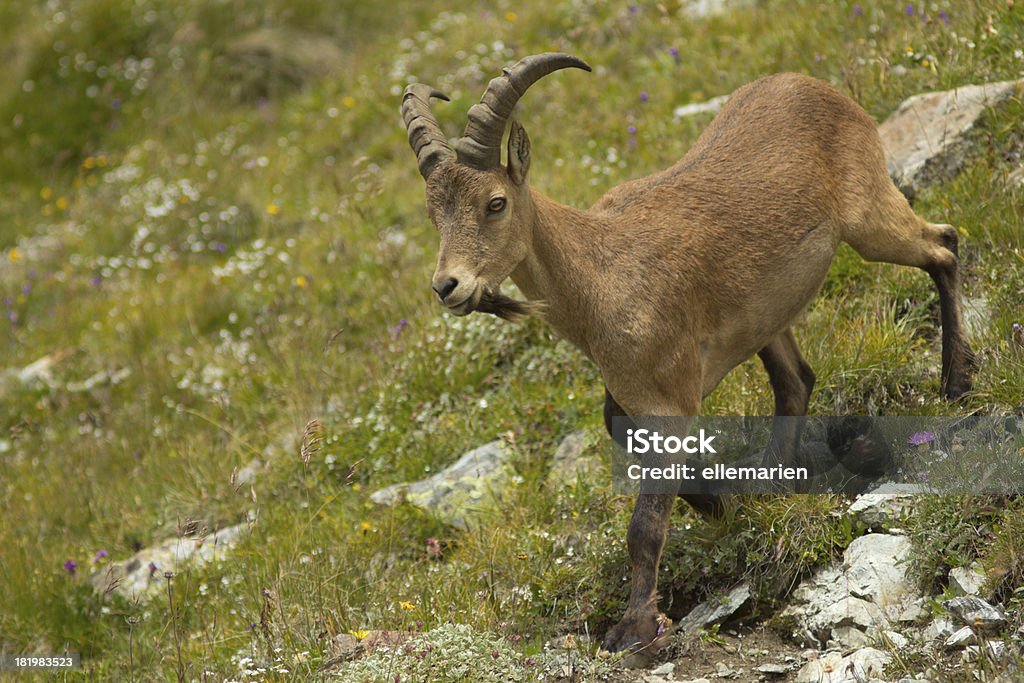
column 1016, row 326
column 858, row 11
column 643, row 96
column 26, row 289
column 634, row 9
column 153, row 569
column 909, row 10
column 220, row 247
column 675, row 53
column 100, row 554
column 70, row 566
column 944, row 17
column 921, row 438
column 631, row 129
column 397, row 330
column 96, row 280
column 12, row 316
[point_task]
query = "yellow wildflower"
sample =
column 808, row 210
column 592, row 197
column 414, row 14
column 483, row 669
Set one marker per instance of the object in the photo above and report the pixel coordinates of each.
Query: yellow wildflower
column 46, row 193
column 365, row 526
column 348, row 101
column 14, row 255
column 88, row 163
column 273, row 209
column 511, row 17
column 407, row 606
column 301, row 281
column 359, row 634
column 61, row 203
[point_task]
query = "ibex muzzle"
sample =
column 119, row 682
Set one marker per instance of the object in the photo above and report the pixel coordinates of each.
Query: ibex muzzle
column 670, row 281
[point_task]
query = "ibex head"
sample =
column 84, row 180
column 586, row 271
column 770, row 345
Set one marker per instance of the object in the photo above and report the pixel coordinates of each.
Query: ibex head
column 481, row 208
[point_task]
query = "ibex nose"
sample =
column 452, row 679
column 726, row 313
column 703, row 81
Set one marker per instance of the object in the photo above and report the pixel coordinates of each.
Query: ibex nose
column 446, row 287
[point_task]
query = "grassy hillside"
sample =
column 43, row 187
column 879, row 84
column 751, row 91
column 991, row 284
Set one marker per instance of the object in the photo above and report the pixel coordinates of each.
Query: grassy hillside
column 212, row 232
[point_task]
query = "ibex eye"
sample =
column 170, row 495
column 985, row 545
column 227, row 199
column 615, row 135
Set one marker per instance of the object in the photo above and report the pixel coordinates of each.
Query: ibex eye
column 496, row 205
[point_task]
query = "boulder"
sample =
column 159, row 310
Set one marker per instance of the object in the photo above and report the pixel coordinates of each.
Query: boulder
column 925, row 139
column 460, row 491
column 855, row 601
column 142, row 576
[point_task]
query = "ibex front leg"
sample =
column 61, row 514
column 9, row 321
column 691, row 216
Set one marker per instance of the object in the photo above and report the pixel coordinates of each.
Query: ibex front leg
column 643, row 626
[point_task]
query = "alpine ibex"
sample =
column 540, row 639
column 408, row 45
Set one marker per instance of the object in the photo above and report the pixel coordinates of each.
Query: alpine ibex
column 670, row 281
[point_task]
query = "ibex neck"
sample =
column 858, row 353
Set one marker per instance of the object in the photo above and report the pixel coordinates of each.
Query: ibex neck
column 561, row 266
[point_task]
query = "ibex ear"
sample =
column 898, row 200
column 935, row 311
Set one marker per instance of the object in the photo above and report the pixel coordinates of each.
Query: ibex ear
column 518, row 153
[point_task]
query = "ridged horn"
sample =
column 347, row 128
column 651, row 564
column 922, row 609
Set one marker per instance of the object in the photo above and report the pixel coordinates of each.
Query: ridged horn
column 480, row 145
column 425, row 135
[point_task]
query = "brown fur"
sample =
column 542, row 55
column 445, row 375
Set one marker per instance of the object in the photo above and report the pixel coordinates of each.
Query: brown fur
column 670, row 281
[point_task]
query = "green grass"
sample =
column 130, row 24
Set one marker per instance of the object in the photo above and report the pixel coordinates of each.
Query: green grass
column 237, row 241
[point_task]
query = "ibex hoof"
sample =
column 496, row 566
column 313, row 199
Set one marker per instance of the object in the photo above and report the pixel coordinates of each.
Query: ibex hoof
column 645, row 632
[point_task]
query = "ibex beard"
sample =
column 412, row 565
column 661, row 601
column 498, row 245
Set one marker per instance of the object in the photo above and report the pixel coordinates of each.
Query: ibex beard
column 670, row 281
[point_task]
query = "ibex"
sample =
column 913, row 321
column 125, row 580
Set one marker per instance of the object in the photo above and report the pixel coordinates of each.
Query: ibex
column 670, row 281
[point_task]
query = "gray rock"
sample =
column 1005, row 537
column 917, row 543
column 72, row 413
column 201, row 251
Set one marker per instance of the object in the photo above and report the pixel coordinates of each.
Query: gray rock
column 896, row 640
column 849, row 637
column 916, row 612
column 461, row 490
column 862, row 665
column 925, row 138
column 967, row 580
column 666, row 669
column 881, row 510
column 722, row 670
column 876, row 570
column 975, row 612
column 572, row 464
column 774, row 669
column 247, row 475
column 142, row 575
column 864, row 595
column 1016, row 177
column 716, row 610
column 994, row 649
column 712, row 106
column 960, row 639
column 940, row 629
column 703, row 9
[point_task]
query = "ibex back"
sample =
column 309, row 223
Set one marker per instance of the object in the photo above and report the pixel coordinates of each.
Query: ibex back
column 670, row 281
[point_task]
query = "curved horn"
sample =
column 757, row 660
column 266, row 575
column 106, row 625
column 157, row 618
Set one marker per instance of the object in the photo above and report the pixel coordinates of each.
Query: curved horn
column 480, row 146
column 425, row 135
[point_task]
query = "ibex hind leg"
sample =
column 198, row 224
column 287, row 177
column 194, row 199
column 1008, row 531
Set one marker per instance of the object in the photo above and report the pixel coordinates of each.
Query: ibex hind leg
column 792, row 381
column 893, row 233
